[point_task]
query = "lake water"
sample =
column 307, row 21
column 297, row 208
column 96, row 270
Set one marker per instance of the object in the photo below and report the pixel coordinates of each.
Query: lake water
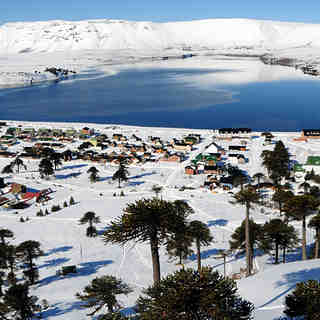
column 275, row 98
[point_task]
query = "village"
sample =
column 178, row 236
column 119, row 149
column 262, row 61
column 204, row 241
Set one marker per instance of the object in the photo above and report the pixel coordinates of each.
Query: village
column 214, row 161
column 54, row 173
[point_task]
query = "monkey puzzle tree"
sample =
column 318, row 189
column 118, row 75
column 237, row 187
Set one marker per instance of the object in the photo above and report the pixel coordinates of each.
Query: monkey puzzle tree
column 192, row 295
column 121, row 174
column 298, row 208
column 91, row 218
column 27, row 251
column 247, row 197
column 102, row 292
column 276, row 234
column 200, row 233
column 148, row 220
column 315, row 224
column 304, row 301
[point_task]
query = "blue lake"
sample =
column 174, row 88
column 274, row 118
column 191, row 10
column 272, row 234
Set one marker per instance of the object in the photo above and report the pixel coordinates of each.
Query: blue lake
column 170, row 98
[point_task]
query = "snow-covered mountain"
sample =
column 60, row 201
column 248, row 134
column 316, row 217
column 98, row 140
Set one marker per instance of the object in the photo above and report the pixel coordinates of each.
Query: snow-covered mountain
column 50, row 36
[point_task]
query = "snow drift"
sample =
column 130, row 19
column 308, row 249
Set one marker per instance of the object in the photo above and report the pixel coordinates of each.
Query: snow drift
column 50, row 36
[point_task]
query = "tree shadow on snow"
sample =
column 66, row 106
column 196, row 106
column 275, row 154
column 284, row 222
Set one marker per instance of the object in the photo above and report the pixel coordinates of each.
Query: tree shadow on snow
column 54, row 262
column 76, row 166
column 291, row 279
column 205, row 254
column 217, row 223
column 83, row 269
column 67, row 176
column 58, row 250
column 55, row 310
column 142, row 175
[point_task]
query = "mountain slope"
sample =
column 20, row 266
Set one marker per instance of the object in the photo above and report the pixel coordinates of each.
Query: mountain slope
column 53, row 36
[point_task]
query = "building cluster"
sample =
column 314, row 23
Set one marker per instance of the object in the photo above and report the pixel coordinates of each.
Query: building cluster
column 92, row 145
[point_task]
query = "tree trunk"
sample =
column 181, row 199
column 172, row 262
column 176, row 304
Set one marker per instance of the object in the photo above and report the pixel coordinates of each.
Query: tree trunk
column 247, row 233
column 284, row 255
column 277, row 254
column 155, row 258
column 304, row 239
column 316, row 249
column 198, row 255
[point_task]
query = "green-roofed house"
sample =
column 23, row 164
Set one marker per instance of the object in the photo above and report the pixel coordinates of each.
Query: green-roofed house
column 298, row 168
column 313, row 161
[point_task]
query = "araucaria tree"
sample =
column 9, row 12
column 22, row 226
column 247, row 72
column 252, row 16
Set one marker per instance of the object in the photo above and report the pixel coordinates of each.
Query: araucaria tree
column 247, row 197
column 192, row 295
column 27, row 251
column 179, row 244
column 298, row 208
column 277, row 161
column 102, row 293
column 281, row 197
column 93, row 174
column 121, row 174
column 91, row 218
column 5, row 233
column 315, row 224
column 200, row 233
column 238, row 238
column 277, row 234
column 148, row 220
column 46, row 168
column 304, row 301
column 19, row 303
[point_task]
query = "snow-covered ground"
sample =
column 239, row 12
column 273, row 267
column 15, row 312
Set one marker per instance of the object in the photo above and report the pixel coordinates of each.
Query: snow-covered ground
column 26, row 47
column 64, row 242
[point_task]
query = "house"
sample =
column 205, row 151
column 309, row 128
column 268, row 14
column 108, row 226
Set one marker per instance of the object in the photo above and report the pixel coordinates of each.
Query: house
column 191, row 170
column 211, row 169
column 311, row 133
column 87, row 131
column 182, row 147
column 237, row 148
column 234, row 131
column 171, row 157
column 313, row 161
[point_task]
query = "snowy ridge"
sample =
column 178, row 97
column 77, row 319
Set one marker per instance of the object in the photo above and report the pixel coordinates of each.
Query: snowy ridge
column 50, row 36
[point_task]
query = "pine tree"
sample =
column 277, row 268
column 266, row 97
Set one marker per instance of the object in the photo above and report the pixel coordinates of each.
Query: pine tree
column 179, row 244
column 27, row 251
column 5, row 233
column 188, row 294
column 45, row 168
column 247, row 197
column 93, row 174
column 19, row 302
column 277, row 234
column 239, row 241
column 91, row 218
column 304, row 301
column 281, row 197
column 102, row 293
column 315, row 223
column 148, row 220
column 7, row 169
column 121, row 174
column 200, row 233
column 71, row 201
column 298, row 208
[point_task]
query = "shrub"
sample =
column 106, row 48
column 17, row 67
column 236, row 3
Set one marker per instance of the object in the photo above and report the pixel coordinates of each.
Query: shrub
column 65, row 204
column 71, row 202
column 55, row 208
column 121, row 193
column 40, row 213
